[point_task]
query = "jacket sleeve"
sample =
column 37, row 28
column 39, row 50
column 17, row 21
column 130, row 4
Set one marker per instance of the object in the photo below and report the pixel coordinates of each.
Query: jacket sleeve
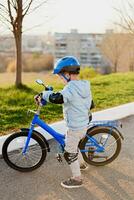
column 67, row 94
column 62, row 96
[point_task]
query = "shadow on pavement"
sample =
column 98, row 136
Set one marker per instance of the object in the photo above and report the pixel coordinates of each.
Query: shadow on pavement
column 112, row 182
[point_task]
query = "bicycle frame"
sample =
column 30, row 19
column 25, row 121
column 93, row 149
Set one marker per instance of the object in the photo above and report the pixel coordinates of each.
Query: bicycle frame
column 37, row 121
column 60, row 138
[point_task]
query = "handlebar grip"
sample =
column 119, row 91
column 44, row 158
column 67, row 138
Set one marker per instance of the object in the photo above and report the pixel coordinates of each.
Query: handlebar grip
column 43, row 102
column 49, row 88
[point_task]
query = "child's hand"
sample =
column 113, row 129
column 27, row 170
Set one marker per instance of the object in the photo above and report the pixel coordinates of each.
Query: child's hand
column 37, row 99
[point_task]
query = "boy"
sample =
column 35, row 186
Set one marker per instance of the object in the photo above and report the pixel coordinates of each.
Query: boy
column 76, row 99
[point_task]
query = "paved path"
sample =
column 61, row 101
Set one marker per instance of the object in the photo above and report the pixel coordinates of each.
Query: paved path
column 112, row 182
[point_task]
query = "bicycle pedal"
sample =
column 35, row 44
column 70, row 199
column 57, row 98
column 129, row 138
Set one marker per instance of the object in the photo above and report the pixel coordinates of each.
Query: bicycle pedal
column 59, row 158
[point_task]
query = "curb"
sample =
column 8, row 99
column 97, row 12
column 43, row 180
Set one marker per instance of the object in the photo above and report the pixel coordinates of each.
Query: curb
column 114, row 113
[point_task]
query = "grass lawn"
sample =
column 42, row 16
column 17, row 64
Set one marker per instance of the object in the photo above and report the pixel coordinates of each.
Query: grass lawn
column 108, row 91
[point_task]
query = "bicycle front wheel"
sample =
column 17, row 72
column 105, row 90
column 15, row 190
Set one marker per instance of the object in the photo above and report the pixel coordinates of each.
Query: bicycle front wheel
column 32, row 159
column 104, row 137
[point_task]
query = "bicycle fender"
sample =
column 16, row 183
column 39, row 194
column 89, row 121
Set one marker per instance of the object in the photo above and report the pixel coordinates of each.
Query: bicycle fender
column 40, row 135
column 108, row 127
column 120, row 134
column 114, row 128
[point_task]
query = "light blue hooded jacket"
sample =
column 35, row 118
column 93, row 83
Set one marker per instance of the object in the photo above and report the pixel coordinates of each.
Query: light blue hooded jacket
column 77, row 101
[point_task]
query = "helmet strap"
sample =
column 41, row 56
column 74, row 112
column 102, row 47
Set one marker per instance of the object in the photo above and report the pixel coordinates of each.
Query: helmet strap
column 65, row 77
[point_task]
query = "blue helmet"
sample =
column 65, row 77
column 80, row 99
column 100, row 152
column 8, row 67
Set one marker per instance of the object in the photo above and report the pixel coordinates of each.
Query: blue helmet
column 67, row 64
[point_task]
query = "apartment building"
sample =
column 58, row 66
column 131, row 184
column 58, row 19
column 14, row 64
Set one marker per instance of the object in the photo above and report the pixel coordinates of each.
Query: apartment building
column 30, row 44
column 85, row 46
column 38, row 43
column 7, row 44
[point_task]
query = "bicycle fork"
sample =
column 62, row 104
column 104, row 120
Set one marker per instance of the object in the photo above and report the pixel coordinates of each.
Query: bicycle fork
column 28, row 139
column 36, row 114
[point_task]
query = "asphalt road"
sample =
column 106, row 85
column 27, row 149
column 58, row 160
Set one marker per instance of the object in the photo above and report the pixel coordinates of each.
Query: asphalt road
column 112, row 182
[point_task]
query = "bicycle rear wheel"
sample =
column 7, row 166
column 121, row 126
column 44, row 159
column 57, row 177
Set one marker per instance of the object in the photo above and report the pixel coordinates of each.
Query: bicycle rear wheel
column 112, row 146
column 34, row 157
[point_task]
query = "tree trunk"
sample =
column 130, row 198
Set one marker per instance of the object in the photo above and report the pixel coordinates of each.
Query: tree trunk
column 131, row 67
column 18, row 41
column 115, row 66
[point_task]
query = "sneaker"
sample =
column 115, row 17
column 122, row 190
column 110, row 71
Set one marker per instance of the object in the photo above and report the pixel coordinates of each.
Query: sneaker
column 71, row 183
column 83, row 167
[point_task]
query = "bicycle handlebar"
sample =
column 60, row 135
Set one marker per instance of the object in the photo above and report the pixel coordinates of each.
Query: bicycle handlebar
column 38, row 98
column 37, row 112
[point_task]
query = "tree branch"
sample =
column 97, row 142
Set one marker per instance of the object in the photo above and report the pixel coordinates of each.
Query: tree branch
column 4, row 7
column 125, row 27
column 36, row 7
column 10, row 12
column 5, row 18
column 31, row 28
column 14, row 4
column 127, row 19
column 131, row 6
column 7, row 25
column 27, row 8
column 5, row 11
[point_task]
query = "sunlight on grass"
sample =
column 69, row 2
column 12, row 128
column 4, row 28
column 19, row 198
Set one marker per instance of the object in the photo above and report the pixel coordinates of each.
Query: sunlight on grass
column 108, row 91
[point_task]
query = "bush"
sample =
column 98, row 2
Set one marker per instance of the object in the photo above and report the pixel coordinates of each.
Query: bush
column 3, row 63
column 38, row 63
column 88, row 72
column 33, row 63
column 11, row 66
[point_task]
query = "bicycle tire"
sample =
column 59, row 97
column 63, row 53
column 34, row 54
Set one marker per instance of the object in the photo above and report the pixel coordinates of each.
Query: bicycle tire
column 36, row 139
column 95, row 131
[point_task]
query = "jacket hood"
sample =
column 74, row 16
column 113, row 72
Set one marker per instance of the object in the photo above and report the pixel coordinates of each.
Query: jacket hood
column 82, row 87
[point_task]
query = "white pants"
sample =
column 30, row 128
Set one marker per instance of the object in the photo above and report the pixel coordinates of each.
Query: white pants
column 71, row 146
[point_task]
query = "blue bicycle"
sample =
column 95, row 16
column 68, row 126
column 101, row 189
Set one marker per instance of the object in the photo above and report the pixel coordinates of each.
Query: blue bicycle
column 27, row 150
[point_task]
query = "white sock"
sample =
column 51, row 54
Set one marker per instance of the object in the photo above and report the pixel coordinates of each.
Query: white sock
column 75, row 168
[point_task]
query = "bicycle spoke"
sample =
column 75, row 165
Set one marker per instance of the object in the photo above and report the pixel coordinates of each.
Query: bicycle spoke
column 111, row 144
column 100, row 156
column 30, row 158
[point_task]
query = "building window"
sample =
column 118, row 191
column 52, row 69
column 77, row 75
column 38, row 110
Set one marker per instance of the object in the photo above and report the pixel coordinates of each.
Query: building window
column 63, row 45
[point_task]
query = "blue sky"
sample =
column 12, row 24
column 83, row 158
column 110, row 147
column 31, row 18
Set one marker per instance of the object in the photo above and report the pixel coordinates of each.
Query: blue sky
column 63, row 15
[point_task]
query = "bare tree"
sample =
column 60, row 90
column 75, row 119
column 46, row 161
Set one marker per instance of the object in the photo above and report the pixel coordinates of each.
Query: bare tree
column 126, row 15
column 130, row 51
column 12, row 14
column 113, row 47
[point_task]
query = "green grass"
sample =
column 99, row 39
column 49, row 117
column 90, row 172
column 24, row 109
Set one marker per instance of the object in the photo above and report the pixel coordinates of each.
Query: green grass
column 108, row 91
column 112, row 90
column 14, row 104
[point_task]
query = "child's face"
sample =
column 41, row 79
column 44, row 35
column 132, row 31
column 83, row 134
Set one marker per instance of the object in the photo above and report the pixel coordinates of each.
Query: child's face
column 61, row 77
